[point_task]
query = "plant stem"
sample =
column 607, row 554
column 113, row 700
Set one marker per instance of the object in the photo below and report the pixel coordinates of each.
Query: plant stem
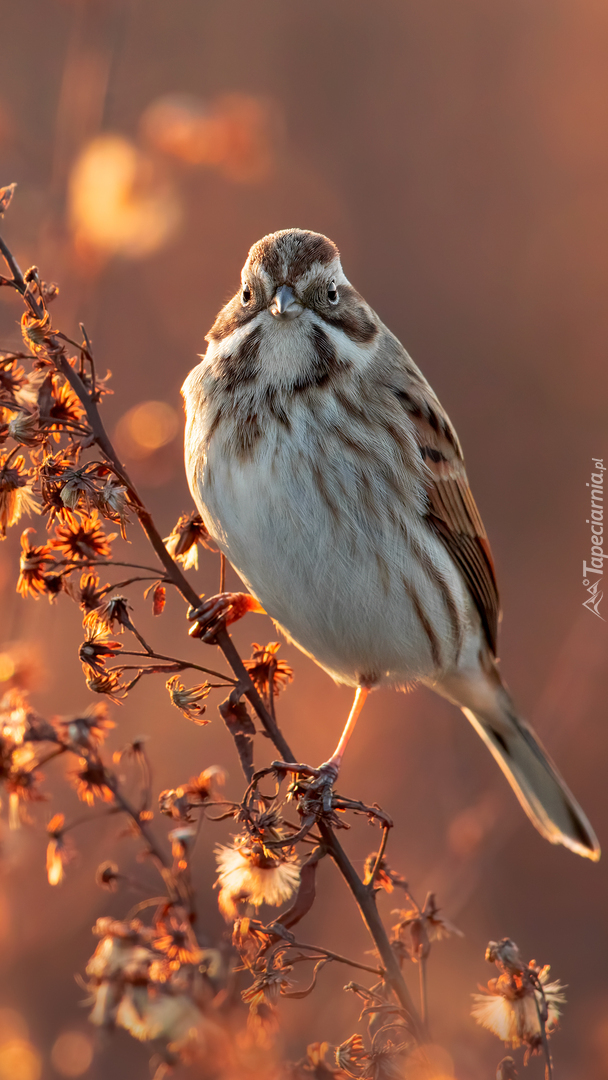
column 424, row 1013
column 369, row 912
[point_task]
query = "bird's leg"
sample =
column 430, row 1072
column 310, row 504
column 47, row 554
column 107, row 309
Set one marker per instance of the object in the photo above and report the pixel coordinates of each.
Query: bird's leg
column 328, row 771
column 220, row 610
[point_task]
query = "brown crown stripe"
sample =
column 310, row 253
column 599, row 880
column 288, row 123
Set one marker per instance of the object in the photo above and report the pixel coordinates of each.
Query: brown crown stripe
column 295, row 250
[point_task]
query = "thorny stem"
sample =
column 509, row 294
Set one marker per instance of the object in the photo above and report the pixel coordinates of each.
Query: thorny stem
column 365, row 899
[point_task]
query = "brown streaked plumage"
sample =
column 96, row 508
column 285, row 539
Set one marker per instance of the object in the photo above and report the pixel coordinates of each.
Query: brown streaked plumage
column 326, row 470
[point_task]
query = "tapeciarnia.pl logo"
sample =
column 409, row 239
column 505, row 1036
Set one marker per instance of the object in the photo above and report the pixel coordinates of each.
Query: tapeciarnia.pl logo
column 593, row 571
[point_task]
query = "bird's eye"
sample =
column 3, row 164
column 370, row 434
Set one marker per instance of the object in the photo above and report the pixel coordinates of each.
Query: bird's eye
column 332, row 292
column 246, row 294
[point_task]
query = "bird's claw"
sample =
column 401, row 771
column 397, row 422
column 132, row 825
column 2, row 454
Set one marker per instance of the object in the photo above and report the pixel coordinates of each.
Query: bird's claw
column 218, row 611
column 321, row 789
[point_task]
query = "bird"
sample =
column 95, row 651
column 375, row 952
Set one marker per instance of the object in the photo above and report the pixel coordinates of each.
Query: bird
column 330, row 477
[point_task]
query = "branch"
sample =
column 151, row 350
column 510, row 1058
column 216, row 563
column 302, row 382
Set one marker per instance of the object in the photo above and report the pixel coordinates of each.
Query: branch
column 367, row 905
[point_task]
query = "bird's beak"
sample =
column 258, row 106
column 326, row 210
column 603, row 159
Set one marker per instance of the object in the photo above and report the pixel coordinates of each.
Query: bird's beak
column 285, row 306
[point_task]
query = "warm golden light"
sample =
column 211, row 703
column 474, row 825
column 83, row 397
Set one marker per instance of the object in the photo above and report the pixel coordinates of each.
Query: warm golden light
column 118, row 202
column 147, row 427
column 72, row 1053
column 12, row 1026
column 7, row 667
column 19, row 1061
column 430, row 1062
column 234, row 133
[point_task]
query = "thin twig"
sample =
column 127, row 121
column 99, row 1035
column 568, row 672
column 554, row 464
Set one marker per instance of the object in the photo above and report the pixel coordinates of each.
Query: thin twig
column 379, row 858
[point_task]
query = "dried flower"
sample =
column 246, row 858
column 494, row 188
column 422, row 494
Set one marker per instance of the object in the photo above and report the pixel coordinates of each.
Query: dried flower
column 148, row 1014
column 34, row 561
column 23, row 787
column 176, row 940
column 352, row 1055
column 82, row 539
column 106, row 876
column 88, row 730
column 105, row 682
column 64, row 407
column 507, row 1070
column 181, row 840
column 112, row 500
column 16, row 496
column 506, row 955
column 12, row 378
column 91, row 781
column 6, row 195
column 425, row 926
column 385, row 878
column 58, row 852
column 178, row 802
column 35, row 331
column 13, row 716
column 89, row 594
column 265, row 671
column 183, row 541
column 78, row 493
column 96, row 649
column 266, row 988
column 24, row 427
column 512, row 1005
column 251, row 873
column 112, row 614
column 187, row 700
column 133, row 749
column 508, row 1008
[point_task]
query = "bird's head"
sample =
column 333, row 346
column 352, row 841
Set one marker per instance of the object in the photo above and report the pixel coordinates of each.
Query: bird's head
column 289, row 274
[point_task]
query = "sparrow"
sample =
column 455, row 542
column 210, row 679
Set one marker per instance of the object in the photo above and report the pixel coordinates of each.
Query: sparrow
column 329, row 475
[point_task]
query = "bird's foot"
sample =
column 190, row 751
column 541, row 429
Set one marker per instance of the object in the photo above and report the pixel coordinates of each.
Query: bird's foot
column 219, row 611
column 323, row 785
column 312, row 789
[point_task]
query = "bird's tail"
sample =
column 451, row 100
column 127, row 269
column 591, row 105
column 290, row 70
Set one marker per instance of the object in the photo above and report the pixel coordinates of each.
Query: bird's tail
column 542, row 792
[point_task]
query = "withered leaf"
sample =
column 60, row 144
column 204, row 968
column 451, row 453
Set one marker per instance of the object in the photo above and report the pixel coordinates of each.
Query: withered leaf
column 6, row 195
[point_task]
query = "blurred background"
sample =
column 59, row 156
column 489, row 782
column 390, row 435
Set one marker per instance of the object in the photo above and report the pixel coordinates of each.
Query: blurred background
column 458, row 155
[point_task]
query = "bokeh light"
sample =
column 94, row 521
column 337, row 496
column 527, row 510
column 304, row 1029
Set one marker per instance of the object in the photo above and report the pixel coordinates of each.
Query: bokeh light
column 119, row 204
column 235, row 133
column 72, row 1053
column 19, row 1060
column 145, row 428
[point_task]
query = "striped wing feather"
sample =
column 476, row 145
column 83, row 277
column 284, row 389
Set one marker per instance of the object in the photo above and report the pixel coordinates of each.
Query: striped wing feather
column 452, row 512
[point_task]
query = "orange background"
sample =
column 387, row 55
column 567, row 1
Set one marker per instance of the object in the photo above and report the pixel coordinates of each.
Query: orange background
column 458, row 155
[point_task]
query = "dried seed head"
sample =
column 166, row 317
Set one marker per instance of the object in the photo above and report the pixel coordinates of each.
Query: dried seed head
column 250, row 873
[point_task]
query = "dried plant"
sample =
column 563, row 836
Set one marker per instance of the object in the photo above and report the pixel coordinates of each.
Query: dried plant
column 153, row 973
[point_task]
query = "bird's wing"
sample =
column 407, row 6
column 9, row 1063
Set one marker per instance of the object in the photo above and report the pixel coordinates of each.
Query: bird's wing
column 452, row 513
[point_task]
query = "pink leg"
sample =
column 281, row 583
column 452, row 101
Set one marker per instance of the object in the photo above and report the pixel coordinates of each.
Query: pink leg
column 336, row 758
